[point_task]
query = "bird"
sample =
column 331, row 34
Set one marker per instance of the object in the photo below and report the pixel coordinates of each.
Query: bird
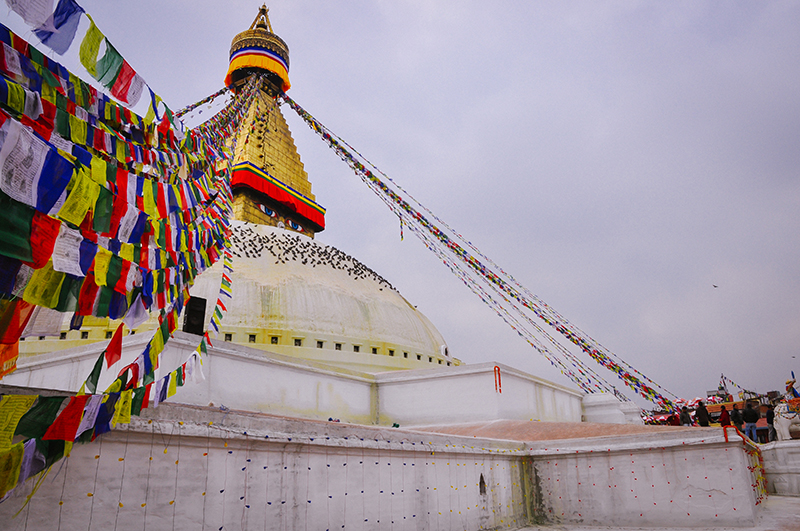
column 715, row 285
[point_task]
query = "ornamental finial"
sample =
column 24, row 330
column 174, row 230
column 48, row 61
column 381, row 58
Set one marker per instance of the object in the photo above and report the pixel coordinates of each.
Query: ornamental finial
column 262, row 19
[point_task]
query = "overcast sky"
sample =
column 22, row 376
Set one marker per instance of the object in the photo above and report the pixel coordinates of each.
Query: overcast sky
column 619, row 158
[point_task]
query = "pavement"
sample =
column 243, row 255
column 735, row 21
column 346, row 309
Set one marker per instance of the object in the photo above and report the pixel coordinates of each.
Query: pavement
column 778, row 513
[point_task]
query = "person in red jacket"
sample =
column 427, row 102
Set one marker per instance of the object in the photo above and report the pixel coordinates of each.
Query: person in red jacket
column 724, row 417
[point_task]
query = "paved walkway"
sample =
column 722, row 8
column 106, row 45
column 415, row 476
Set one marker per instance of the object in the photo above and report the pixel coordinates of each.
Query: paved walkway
column 524, row 430
column 778, row 513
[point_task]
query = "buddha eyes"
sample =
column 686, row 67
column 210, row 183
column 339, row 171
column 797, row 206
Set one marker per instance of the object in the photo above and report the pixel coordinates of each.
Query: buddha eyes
column 294, row 225
column 268, row 211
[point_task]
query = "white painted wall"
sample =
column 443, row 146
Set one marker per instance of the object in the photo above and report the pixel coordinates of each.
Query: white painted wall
column 244, row 378
column 253, row 472
column 782, row 467
column 468, row 393
column 664, row 480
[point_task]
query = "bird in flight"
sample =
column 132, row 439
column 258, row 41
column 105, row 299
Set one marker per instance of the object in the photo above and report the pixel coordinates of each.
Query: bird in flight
column 715, row 285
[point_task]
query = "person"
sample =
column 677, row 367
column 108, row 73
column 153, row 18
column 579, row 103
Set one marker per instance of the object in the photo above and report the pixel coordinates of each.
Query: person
column 724, row 417
column 673, row 420
column 736, row 418
column 686, row 419
column 772, row 435
column 750, row 416
column 791, row 392
column 702, row 414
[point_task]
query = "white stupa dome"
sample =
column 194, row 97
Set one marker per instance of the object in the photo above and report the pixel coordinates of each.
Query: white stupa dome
column 296, row 296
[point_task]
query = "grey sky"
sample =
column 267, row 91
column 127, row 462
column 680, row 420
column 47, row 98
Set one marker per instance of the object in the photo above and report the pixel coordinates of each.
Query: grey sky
column 618, row 158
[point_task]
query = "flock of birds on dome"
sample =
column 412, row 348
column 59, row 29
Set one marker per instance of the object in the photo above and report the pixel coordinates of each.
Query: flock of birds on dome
column 285, row 247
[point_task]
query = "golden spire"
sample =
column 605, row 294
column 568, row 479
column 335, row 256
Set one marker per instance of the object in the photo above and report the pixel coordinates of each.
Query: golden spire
column 270, row 185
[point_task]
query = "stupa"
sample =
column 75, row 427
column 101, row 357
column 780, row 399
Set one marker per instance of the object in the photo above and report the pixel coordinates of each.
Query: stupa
column 291, row 294
column 312, row 334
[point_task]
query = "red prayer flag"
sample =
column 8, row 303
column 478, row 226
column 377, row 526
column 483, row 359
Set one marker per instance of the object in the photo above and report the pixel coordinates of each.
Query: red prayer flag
column 87, row 295
column 114, row 349
column 123, row 82
column 44, row 231
column 9, row 353
column 134, row 368
column 66, row 424
column 146, row 399
column 14, row 317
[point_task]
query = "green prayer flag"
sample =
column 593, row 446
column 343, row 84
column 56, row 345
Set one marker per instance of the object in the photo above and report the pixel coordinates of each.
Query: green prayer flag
column 94, row 377
column 138, row 400
column 104, row 300
column 108, row 67
column 70, row 291
column 36, row 56
column 16, row 220
column 51, row 450
column 35, row 422
column 62, row 122
column 102, row 211
column 114, row 271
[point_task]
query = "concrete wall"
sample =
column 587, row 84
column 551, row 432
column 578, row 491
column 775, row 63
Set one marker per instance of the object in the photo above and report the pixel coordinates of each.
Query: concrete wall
column 782, row 467
column 668, row 480
column 243, row 378
column 199, row 468
column 468, row 393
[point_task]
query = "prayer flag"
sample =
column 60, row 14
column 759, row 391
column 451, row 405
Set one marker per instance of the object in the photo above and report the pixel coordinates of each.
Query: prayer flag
column 122, row 410
column 90, row 47
column 66, row 424
column 35, row 422
column 33, row 13
column 94, row 376
column 59, row 29
column 90, row 414
column 108, row 66
column 10, row 464
column 44, row 287
column 114, row 348
column 15, row 228
column 12, row 408
column 21, row 160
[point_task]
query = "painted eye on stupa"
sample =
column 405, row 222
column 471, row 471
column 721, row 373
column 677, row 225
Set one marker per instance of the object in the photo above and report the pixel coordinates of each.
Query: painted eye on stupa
column 294, row 225
column 268, row 211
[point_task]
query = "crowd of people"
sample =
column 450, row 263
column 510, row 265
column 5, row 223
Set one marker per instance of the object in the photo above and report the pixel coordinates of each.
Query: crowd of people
column 745, row 420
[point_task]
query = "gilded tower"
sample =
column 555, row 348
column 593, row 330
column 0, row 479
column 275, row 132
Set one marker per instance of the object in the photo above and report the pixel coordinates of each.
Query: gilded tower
column 270, row 186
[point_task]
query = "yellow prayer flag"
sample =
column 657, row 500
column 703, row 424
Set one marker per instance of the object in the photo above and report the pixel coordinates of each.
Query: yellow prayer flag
column 151, row 112
column 44, row 287
column 77, row 130
column 101, row 262
column 82, row 196
column 16, row 97
column 12, row 407
column 177, row 191
column 126, row 251
column 10, row 464
column 98, row 173
column 48, row 93
column 157, row 344
column 121, row 151
column 173, row 384
column 122, row 409
column 115, row 387
column 149, row 201
column 90, row 47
